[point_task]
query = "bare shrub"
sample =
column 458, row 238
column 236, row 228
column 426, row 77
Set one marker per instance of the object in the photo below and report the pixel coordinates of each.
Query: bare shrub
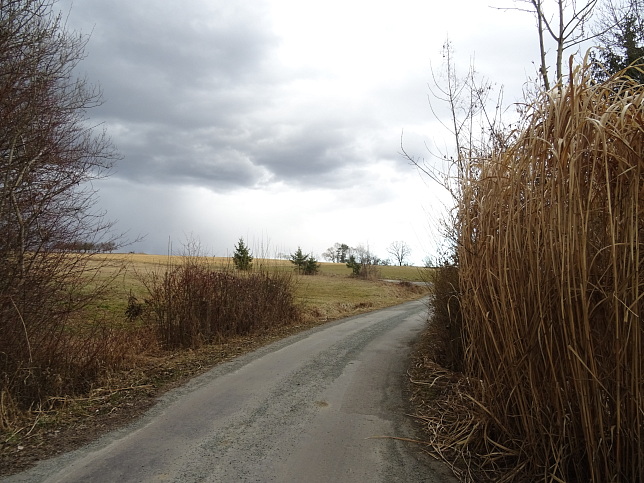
column 192, row 304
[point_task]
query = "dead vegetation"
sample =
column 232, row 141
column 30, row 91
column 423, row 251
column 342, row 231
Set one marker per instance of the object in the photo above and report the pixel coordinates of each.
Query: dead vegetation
column 550, row 260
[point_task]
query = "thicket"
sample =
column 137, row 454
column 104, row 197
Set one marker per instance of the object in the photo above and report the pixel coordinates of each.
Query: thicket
column 364, row 264
column 48, row 157
column 550, row 291
column 192, row 304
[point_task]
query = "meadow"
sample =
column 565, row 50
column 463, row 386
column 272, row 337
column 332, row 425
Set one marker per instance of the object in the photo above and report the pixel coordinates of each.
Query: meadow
column 330, row 294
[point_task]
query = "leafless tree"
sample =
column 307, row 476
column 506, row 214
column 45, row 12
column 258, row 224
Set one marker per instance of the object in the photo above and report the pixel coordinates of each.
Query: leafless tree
column 566, row 25
column 49, row 154
column 400, row 251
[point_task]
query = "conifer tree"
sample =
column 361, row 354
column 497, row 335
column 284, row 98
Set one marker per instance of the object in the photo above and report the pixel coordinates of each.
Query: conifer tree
column 354, row 265
column 621, row 40
column 300, row 260
column 242, row 258
column 312, row 266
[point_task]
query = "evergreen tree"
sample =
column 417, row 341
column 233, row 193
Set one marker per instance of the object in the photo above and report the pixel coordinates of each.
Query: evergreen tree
column 300, row 260
column 354, row 265
column 242, row 258
column 621, row 41
column 312, row 266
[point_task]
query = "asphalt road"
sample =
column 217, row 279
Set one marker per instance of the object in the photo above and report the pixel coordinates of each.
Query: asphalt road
column 321, row 406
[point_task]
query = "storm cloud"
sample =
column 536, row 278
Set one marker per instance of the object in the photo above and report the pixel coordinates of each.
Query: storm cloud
column 294, row 105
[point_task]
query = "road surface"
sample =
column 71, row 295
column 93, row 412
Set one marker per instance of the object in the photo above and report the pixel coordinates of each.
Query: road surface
column 321, row 406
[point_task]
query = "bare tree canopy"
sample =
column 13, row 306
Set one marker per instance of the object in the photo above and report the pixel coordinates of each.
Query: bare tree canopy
column 566, row 23
column 49, row 154
column 48, row 150
column 400, row 251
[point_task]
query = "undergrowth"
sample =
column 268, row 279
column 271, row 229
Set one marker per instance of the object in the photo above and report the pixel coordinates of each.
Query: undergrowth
column 192, row 304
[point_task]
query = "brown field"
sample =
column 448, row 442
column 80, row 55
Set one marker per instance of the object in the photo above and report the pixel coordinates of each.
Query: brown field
column 329, row 295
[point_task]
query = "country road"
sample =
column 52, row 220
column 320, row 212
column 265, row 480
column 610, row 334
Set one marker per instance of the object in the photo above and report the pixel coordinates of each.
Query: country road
column 321, row 406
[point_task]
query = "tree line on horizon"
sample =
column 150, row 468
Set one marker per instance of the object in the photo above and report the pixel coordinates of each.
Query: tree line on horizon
column 343, row 253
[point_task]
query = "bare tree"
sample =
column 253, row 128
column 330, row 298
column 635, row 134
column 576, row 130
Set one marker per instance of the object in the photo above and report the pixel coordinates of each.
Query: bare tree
column 49, row 154
column 473, row 123
column 566, row 27
column 330, row 255
column 400, row 251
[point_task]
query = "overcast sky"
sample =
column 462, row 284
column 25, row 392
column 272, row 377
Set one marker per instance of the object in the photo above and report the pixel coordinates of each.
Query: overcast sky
column 280, row 120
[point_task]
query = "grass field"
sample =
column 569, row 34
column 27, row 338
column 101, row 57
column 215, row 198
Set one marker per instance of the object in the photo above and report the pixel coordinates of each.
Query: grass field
column 141, row 261
column 331, row 294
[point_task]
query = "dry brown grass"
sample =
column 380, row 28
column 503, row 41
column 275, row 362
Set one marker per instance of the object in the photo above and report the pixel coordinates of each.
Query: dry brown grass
column 551, row 261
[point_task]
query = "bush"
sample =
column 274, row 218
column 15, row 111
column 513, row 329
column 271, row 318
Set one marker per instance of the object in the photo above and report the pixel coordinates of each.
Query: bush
column 193, row 305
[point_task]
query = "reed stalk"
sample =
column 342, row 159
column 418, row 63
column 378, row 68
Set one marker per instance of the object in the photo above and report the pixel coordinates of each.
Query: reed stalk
column 551, row 272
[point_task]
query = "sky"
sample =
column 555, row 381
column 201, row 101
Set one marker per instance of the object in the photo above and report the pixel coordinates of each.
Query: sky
column 280, row 121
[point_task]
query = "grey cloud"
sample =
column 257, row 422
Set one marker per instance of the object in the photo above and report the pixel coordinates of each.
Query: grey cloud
column 194, row 95
column 182, row 43
column 305, row 153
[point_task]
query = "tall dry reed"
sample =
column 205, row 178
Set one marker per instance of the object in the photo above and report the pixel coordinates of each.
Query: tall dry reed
column 551, row 269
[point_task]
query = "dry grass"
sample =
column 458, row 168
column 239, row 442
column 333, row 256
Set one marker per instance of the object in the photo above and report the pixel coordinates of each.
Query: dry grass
column 142, row 262
column 332, row 291
column 332, row 297
column 551, row 261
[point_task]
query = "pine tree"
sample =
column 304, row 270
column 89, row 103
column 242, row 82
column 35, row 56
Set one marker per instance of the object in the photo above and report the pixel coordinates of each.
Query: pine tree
column 300, row 260
column 242, row 258
column 354, row 265
column 312, row 266
column 621, row 41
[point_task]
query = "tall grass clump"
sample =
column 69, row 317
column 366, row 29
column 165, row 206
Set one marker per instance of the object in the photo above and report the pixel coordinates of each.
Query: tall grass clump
column 446, row 325
column 192, row 304
column 551, row 264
